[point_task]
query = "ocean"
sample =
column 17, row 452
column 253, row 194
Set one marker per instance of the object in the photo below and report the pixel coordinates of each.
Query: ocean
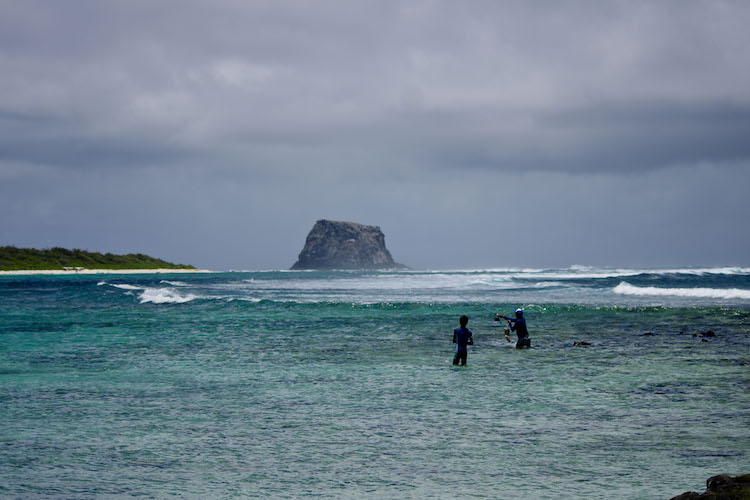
column 339, row 384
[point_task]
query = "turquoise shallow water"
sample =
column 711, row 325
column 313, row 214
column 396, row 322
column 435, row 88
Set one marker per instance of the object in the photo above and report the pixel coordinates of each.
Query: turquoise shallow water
column 340, row 385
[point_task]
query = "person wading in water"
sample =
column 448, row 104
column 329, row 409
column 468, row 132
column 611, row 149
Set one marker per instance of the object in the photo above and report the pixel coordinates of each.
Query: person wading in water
column 518, row 325
column 462, row 337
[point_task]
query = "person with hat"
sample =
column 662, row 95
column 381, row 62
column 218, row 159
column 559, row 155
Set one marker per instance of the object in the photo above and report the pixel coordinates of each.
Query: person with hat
column 518, row 325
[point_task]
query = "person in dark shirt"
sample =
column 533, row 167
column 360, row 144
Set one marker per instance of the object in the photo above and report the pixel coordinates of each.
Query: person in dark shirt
column 462, row 337
column 518, row 325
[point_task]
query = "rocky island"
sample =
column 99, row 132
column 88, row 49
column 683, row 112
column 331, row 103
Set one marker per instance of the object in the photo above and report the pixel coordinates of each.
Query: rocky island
column 345, row 245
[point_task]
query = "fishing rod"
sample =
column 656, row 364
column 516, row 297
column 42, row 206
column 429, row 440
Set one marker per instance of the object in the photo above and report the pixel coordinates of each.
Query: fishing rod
column 481, row 306
column 493, row 312
column 506, row 331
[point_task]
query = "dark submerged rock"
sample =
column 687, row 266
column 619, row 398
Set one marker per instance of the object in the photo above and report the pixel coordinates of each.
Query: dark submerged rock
column 688, row 495
column 345, row 245
column 721, row 487
column 709, row 333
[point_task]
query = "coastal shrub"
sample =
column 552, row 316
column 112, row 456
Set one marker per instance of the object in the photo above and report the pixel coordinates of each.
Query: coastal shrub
column 18, row 259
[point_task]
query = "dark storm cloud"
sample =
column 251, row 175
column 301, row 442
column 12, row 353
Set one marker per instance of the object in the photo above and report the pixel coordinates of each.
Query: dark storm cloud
column 631, row 136
column 649, row 134
column 577, row 86
column 88, row 152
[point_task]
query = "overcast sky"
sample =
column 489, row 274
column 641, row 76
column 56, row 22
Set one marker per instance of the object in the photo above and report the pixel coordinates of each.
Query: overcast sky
column 474, row 133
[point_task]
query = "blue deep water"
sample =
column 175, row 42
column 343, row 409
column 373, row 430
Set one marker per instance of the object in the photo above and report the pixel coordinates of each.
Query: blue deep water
column 340, row 385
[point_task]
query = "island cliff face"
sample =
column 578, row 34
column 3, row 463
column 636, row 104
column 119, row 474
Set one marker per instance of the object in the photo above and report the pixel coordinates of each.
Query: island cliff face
column 345, row 245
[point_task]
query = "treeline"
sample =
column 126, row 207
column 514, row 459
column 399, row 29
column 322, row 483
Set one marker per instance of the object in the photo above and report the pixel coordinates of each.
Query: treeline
column 19, row 259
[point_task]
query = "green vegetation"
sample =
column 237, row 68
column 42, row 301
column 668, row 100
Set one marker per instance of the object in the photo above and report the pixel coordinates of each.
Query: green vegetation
column 21, row 259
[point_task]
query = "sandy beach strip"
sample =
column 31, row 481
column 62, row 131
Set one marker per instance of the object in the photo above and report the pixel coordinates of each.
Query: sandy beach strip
column 103, row 271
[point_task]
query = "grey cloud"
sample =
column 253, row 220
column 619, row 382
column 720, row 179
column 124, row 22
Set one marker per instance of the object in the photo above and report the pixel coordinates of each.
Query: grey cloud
column 605, row 137
column 369, row 110
column 501, row 84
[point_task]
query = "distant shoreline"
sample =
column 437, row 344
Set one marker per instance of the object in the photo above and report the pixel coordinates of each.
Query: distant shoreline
column 102, row 271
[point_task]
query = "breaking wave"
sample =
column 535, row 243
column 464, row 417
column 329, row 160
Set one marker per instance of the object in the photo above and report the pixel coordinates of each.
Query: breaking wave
column 165, row 296
column 174, row 283
column 155, row 295
column 625, row 288
column 586, row 272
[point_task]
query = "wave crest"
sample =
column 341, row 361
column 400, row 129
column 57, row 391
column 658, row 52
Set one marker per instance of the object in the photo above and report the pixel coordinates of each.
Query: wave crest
column 156, row 295
column 164, row 296
column 625, row 288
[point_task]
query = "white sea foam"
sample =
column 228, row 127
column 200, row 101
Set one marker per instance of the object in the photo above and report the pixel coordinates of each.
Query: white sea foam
column 490, row 279
column 625, row 288
column 700, row 271
column 174, row 283
column 128, row 287
column 156, row 295
column 164, row 296
column 547, row 284
column 588, row 272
